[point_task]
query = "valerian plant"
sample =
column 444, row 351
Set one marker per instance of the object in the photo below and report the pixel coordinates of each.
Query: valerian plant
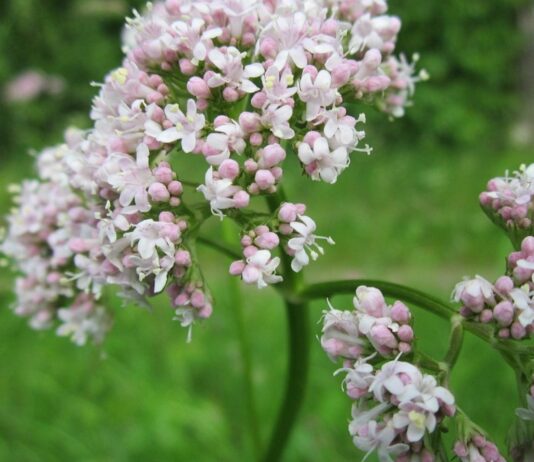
column 246, row 86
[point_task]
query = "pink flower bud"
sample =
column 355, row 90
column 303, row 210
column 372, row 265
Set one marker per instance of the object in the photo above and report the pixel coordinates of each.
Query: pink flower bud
column 268, row 240
column 206, row 311
column 311, row 137
column 256, row 139
column 251, row 274
column 268, row 47
column 272, row 155
column 249, row 122
column 264, row 179
column 288, row 212
column 383, row 336
column 229, row 168
column 163, row 174
column 405, row 333
column 259, row 100
column 167, row 217
column 230, row 94
column 250, row 166
column 183, row 258
column 158, row 192
column 198, row 299
column 370, row 300
column 527, row 245
column 504, row 285
column 198, row 87
column 175, row 188
column 518, row 331
column 249, row 251
column 237, row 267
column 400, row 312
column 504, row 313
column 241, row 199
column 186, row 66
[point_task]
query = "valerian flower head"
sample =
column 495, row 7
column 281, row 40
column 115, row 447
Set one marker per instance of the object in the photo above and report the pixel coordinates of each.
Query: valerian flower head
column 236, row 88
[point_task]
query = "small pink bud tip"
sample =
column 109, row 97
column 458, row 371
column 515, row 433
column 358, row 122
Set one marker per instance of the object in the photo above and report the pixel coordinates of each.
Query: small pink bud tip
column 175, row 188
column 158, row 192
column 383, row 336
column 229, row 169
column 183, row 258
column 206, row 311
column 288, row 213
column 198, row 87
column 400, row 312
column 272, row 155
column 237, row 267
column 405, row 333
column 241, row 199
column 264, row 179
column 267, row 240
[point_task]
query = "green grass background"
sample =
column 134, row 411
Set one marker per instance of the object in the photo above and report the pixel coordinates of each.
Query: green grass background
column 409, row 214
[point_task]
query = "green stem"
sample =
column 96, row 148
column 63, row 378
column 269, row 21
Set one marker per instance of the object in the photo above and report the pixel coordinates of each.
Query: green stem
column 245, row 352
column 220, row 247
column 299, row 345
column 298, row 336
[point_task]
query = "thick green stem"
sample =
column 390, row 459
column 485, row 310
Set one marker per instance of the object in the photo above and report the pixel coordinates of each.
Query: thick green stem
column 299, row 340
column 245, row 352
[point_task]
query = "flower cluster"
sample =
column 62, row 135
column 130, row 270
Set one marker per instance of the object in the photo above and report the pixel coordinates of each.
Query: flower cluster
column 396, row 404
column 508, row 304
column 373, row 326
column 509, row 201
column 395, row 407
column 477, row 448
column 238, row 85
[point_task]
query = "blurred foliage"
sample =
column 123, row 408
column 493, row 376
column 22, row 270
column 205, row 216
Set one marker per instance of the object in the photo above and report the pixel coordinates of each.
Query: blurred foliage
column 413, row 218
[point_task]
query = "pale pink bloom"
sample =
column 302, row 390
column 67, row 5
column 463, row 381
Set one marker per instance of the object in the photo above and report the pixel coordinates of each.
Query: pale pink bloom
column 83, row 321
column 151, row 236
column 187, row 127
column 316, row 92
column 321, row 162
column 131, row 178
column 276, row 118
column 278, row 85
column 233, row 74
column 305, row 242
column 378, row 32
column 388, row 380
column 194, row 37
column 474, row 292
column 524, row 302
column 228, row 138
column 379, row 438
column 260, row 269
column 218, row 192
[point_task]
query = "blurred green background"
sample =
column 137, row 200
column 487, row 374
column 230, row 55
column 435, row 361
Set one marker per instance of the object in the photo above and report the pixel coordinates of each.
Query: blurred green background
column 408, row 213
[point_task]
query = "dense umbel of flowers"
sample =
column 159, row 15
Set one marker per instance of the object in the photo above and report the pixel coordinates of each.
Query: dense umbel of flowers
column 239, row 84
column 395, row 404
column 476, row 448
column 509, row 202
column 508, row 304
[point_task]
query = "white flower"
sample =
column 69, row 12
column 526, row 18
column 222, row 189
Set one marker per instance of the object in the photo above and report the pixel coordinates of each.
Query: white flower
column 232, row 72
column 473, row 292
column 321, row 162
column 276, row 118
column 193, row 36
column 260, row 269
column 527, row 414
column 415, row 421
column 218, row 192
column 379, row 439
column 359, row 376
column 387, row 380
column 373, row 32
column 278, row 85
column 317, row 93
column 82, row 322
column 131, row 178
column 305, row 243
column 524, row 302
column 229, row 138
column 150, row 236
column 186, row 126
column 341, row 130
